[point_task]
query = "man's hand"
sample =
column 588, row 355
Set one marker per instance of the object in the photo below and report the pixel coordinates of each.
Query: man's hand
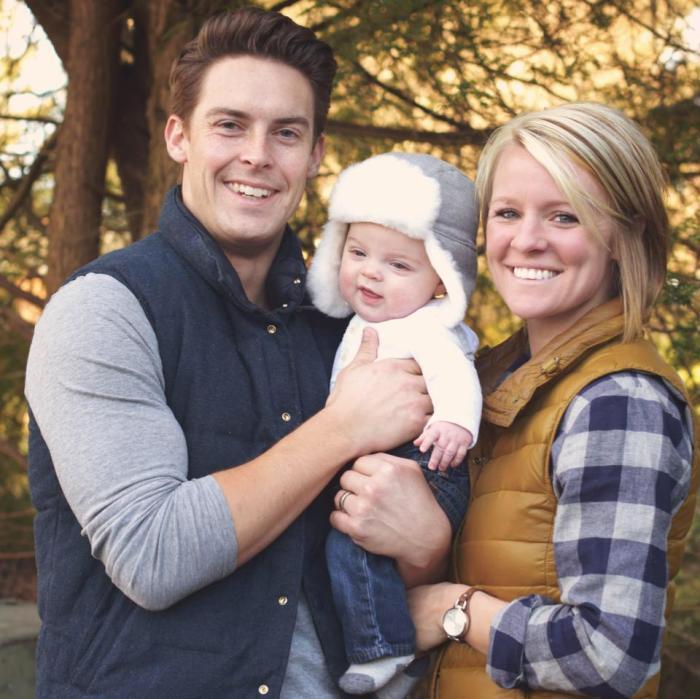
column 375, row 406
column 392, row 511
column 379, row 404
column 449, row 443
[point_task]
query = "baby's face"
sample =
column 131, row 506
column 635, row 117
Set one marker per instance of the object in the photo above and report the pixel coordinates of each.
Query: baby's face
column 385, row 274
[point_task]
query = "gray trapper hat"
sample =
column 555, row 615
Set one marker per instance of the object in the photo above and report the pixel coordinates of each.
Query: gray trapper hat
column 422, row 197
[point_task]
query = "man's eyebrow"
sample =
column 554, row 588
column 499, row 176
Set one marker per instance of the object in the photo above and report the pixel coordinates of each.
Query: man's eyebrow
column 238, row 114
column 225, row 111
column 294, row 120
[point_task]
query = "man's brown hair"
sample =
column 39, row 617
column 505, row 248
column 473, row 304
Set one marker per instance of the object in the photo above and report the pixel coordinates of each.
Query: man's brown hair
column 255, row 32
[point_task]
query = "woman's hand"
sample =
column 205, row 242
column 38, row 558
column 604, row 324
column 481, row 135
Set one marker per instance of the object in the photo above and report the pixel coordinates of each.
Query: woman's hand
column 392, row 511
column 428, row 604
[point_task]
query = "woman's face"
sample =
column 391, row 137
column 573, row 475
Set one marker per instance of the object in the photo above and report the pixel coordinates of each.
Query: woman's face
column 549, row 269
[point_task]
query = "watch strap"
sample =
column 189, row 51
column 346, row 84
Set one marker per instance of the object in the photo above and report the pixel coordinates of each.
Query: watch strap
column 464, row 599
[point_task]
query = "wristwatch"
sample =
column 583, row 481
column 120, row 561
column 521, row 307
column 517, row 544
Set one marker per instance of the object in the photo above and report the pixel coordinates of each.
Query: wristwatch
column 456, row 620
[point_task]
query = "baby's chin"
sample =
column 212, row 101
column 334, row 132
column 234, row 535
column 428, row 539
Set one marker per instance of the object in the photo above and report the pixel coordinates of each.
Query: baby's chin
column 379, row 317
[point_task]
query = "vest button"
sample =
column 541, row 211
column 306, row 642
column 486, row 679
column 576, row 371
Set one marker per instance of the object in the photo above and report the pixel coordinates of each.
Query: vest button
column 282, row 600
column 297, row 281
column 272, row 329
column 286, row 417
column 263, row 689
column 551, row 366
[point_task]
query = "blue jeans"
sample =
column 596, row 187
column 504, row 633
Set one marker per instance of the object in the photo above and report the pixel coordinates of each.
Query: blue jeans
column 368, row 591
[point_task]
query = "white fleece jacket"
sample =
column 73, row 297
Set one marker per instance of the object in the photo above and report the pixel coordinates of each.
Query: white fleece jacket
column 445, row 356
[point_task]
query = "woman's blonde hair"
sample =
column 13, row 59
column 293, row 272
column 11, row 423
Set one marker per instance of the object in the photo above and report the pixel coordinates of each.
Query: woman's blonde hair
column 610, row 147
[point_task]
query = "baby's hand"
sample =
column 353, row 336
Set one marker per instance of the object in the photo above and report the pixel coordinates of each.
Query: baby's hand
column 449, row 442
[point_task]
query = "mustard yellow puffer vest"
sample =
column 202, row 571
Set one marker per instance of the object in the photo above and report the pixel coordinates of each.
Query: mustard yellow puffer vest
column 505, row 546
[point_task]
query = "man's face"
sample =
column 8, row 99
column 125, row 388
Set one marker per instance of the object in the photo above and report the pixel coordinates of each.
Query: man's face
column 247, row 151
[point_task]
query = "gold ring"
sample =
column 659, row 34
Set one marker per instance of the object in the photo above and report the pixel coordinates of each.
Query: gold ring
column 341, row 502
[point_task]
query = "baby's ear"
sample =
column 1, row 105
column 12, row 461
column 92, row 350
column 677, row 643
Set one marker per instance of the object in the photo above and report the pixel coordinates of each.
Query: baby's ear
column 440, row 291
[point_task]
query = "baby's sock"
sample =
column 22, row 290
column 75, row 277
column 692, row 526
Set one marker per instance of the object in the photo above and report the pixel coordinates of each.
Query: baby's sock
column 404, row 682
column 361, row 678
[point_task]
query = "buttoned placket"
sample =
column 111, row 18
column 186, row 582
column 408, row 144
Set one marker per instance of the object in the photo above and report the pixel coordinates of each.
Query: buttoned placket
column 279, row 356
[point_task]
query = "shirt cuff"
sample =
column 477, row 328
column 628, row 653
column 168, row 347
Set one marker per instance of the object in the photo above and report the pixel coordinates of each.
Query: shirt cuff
column 506, row 656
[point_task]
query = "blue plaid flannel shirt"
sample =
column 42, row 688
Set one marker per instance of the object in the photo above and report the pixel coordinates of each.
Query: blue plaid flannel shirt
column 621, row 466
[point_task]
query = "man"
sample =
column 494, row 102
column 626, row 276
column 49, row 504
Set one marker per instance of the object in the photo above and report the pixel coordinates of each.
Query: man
column 181, row 456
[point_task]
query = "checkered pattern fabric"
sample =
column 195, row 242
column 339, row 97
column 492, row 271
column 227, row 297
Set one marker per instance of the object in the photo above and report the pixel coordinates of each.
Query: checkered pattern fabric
column 621, row 466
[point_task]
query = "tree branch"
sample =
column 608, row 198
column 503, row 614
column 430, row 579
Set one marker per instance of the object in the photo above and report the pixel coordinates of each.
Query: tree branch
column 464, row 136
column 9, row 449
column 352, row 11
column 17, row 324
column 40, row 119
column 649, row 27
column 406, row 99
column 17, row 514
column 19, row 293
column 689, row 245
column 28, row 180
column 278, row 7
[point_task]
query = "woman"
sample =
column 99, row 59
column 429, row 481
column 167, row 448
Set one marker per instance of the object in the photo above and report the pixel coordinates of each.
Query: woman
column 583, row 483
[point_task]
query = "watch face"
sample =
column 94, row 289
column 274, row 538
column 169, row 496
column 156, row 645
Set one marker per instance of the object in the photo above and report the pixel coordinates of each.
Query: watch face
column 454, row 622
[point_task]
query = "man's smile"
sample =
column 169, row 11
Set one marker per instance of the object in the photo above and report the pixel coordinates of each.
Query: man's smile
column 252, row 191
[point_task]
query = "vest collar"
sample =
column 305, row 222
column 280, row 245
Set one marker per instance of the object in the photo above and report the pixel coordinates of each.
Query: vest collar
column 285, row 284
column 503, row 401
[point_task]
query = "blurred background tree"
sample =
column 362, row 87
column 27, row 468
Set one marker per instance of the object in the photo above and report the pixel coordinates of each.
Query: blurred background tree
column 83, row 168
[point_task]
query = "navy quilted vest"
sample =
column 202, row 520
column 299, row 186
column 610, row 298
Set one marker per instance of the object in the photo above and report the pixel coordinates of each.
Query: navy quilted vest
column 229, row 380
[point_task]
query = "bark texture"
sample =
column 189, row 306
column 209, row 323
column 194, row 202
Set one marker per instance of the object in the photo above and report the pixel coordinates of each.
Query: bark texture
column 82, row 148
column 168, row 29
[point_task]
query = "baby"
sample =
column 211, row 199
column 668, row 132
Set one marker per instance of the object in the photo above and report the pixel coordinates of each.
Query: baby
column 399, row 252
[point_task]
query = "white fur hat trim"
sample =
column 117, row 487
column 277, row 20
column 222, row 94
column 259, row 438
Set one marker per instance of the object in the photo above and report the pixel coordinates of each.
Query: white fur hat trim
column 391, row 191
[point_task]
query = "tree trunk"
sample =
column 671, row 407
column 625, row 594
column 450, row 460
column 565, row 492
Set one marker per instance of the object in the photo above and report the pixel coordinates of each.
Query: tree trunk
column 169, row 28
column 81, row 152
column 54, row 18
column 129, row 133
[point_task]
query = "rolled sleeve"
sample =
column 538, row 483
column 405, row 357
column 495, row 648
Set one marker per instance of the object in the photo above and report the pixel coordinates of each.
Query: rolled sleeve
column 506, row 656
